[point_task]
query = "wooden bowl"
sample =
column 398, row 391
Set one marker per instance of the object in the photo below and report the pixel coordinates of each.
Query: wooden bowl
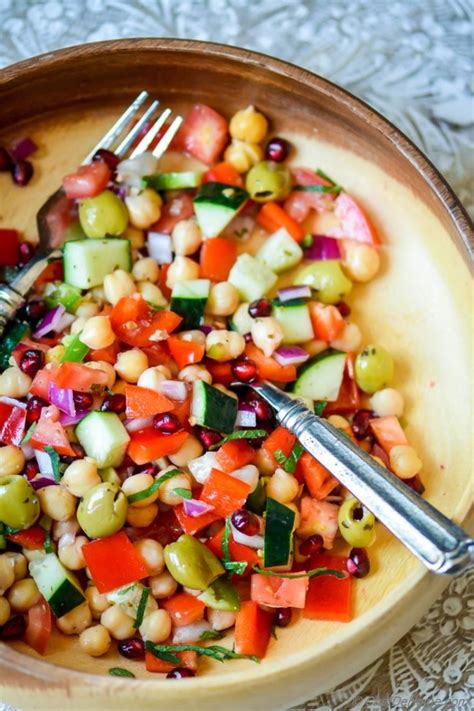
column 417, row 308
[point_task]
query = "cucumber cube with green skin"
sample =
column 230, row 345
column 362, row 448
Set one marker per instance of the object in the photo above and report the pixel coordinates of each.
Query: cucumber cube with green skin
column 295, row 321
column 173, row 181
column 278, row 539
column 88, row 261
column 251, row 278
column 188, row 299
column 212, row 408
column 216, row 204
column 58, row 586
column 104, row 438
column 280, row 252
column 321, row 377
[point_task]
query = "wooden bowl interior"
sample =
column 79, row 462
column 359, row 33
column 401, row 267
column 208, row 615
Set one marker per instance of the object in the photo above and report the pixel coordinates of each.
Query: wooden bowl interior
column 416, row 308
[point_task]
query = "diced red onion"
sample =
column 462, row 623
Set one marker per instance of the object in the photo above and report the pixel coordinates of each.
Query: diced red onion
column 119, row 190
column 290, row 355
column 323, row 247
column 138, row 423
column 246, row 418
column 68, row 420
column 28, row 451
column 50, row 321
column 65, row 322
column 23, row 149
column 12, row 401
column 63, row 398
column 255, row 541
column 196, row 507
column 40, row 482
column 187, row 634
column 294, row 292
column 202, row 466
column 159, row 247
column 205, row 329
column 45, row 464
column 174, row 389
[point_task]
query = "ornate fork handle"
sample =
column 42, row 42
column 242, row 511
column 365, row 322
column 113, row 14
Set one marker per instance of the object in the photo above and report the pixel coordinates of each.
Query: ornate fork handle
column 10, row 302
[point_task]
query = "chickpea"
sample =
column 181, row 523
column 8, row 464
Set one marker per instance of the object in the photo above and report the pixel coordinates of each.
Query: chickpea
column 71, row 555
column 182, row 269
column 338, row 421
column 146, row 269
column 264, row 462
column 349, row 340
column 404, row 461
column 75, row 621
column 19, row 564
column 136, row 483
column 70, row 526
column 387, row 402
column 315, row 347
column 87, row 309
column 220, row 619
column 193, row 336
column 107, row 368
column 152, row 377
column 4, row 610
column 191, row 449
column 95, row 641
column 23, row 594
column 117, row 622
column 7, row 573
column 76, row 327
column 135, row 236
column 12, row 460
column 192, row 373
column 242, row 320
column 361, row 261
column 144, row 209
column 186, row 237
column 80, row 476
column 151, row 553
column 283, row 487
column 180, row 481
column 223, row 299
column 156, row 627
column 14, row 383
column 224, row 345
column 131, row 364
column 267, row 334
column 151, row 293
column 163, row 585
column 97, row 293
column 141, row 518
column 32, row 555
column 97, row 601
column 98, row 333
column 248, row 125
column 117, row 285
column 242, row 155
column 57, row 502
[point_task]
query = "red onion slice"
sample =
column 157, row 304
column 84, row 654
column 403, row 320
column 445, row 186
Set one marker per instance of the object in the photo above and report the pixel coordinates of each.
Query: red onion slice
column 196, row 507
column 23, row 149
column 68, row 420
column 63, row 398
column 50, row 321
column 187, row 634
column 159, row 247
column 291, row 355
column 40, row 482
column 255, row 541
column 12, row 401
column 138, row 423
column 323, row 247
column 294, row 292
column 45, row 464
column 174, row 389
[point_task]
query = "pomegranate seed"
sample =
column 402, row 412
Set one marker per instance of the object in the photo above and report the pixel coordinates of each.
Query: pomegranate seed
column 5, row 160
column 248, row 337
column 312, row 545
column 246, row 522
column 114, row 402
column 344, row 309
column 166, row 423
column 262, row 409
column 13, row 629
column 207, row 437
column 83, row 401
column 107, row 157
column 33, row 311
column 132, row 648
column 277, row 150
column 358, row 563
column 22, row 172
column 283, row 616
column 33, row 409
column 32, row 360
column 361, row 424
column 26, row 252
column 180, row 673
column 245, row 370
column 260, row 308
column 31, row 470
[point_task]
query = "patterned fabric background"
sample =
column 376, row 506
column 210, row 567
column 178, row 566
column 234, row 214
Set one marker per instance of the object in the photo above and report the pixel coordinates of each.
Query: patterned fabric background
column 413, row 61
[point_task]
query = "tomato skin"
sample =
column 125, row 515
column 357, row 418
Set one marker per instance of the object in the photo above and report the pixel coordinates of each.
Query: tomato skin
column 77, row 376
column 87, row 181
column 278, row 592
column 38, row 629
column 12, row 424
column 354, row 223
column 203, row 134
column 299, row 203
column 223, row 173
column 178, row 208
column 185, row 352
column 134, row 322
column 217, row 258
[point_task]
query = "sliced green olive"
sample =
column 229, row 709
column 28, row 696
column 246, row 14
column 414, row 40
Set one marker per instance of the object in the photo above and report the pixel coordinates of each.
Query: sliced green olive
column 103, row 215
column 356, row 524
column 268, row 181
column 103, row 510
column 221, row 595
column 327, row 279
column 191, row 563
column 374, row 369
column 19, row 505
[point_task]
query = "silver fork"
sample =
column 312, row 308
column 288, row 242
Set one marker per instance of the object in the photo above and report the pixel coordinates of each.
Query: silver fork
column 118, row 138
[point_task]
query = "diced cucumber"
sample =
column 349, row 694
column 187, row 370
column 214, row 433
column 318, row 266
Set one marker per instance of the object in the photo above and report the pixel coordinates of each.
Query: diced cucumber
column 188, row 299
column 173, row 181
column 212, row 408
column 58, row 586
column 128, row 599
column 280, row 252
column 88, row 261
column 294, row 318
column 216, row 204
column 64, row 294
column 278, row 539
column 104, row 438
column 251, row 278
column 321, row 377
column 15, row 331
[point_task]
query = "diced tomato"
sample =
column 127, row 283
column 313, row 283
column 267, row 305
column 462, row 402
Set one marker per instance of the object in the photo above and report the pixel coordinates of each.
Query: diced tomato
column 328, row 597
column 318, row 517
column 38, row 628
column 31, row 538
column 353, row 222
column 48, row 433
column 234, row 454
column 221, row 372
column 237, row 551
column 224, row 492
column 281, row 439
column 77, row 376
column 217, row 258
column 108, row 355
column 268, row 368
column 88, row 181
column 9, row 248
column 143, row 402
column 113, row 562
column 203, row 134
column 348, row 399
column 135, row 323
column 12, row 424
column 278, row 592
column 180, row 207
column 223, row 173
column 148, row 444
column 165, row 290
column 158, row 354
column 184, row 609
column 41, row 381
column 299, row 202
column 193, row 524
column 318, row 479
column 377, row 451
column 271, row 217
column 188, row 660
column 185, row 352
column 53, row 272
column 388, row 432
column 61, row 214
column 253, row 628
column 181, row 411
column 326, row 320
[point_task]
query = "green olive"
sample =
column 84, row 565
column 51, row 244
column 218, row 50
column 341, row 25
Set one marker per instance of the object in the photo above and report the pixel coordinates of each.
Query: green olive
column 103, row 215
column 327, row 279
column 356, row 524
column 110, row 475
column 19, row 505
column 103, row 510
column 268, row 181
column 191, row 563
column 221, row 595
column 373, row 369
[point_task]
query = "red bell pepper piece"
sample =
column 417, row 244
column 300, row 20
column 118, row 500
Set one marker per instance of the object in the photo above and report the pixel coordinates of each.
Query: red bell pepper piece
column 184, row 609
column 278, row 592
column 253, row 628
column 348, row 399
column 326, row 320
column 223, row 173
column 217, row 258
column 31, row 538
column 135, row 323
column 272, row 217
column 237, row 551
column 38, row 628
column 329, row 598
column 268, row 368
column 9, row 248
column 224, row 492
column 147, row 445
column 388, row 432
column 188, row 660
column 108, row 355
column 318, row 479
column 12, row 423
column 281, row 439
column 235, row 454
column 77, row 376
column 193, row 524
column 185, row 352
column 143, row 402
column 113, row 562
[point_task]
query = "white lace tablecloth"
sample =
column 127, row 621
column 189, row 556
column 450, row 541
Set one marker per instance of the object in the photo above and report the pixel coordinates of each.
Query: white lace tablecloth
column 412, row 60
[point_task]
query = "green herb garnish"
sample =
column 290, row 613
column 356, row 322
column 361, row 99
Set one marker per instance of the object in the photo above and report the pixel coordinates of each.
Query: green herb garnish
column 48, row 548
column 54, row 456
column 141, row 607
column 139, row 495
column 314, row 573
column 325, row 176
column 239, row 434
column 307, row 241
column 233, row 566
column 215, row 651
column 120, row 671
column 28, row 434
column 274, row 631
column 184, row 493
column 318, row 188
column 289, row 463
column 319, row 407
column 211, row 634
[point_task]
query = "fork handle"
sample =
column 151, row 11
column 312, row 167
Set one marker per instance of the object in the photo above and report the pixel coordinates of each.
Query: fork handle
column 10, row 302
column 442, row 546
